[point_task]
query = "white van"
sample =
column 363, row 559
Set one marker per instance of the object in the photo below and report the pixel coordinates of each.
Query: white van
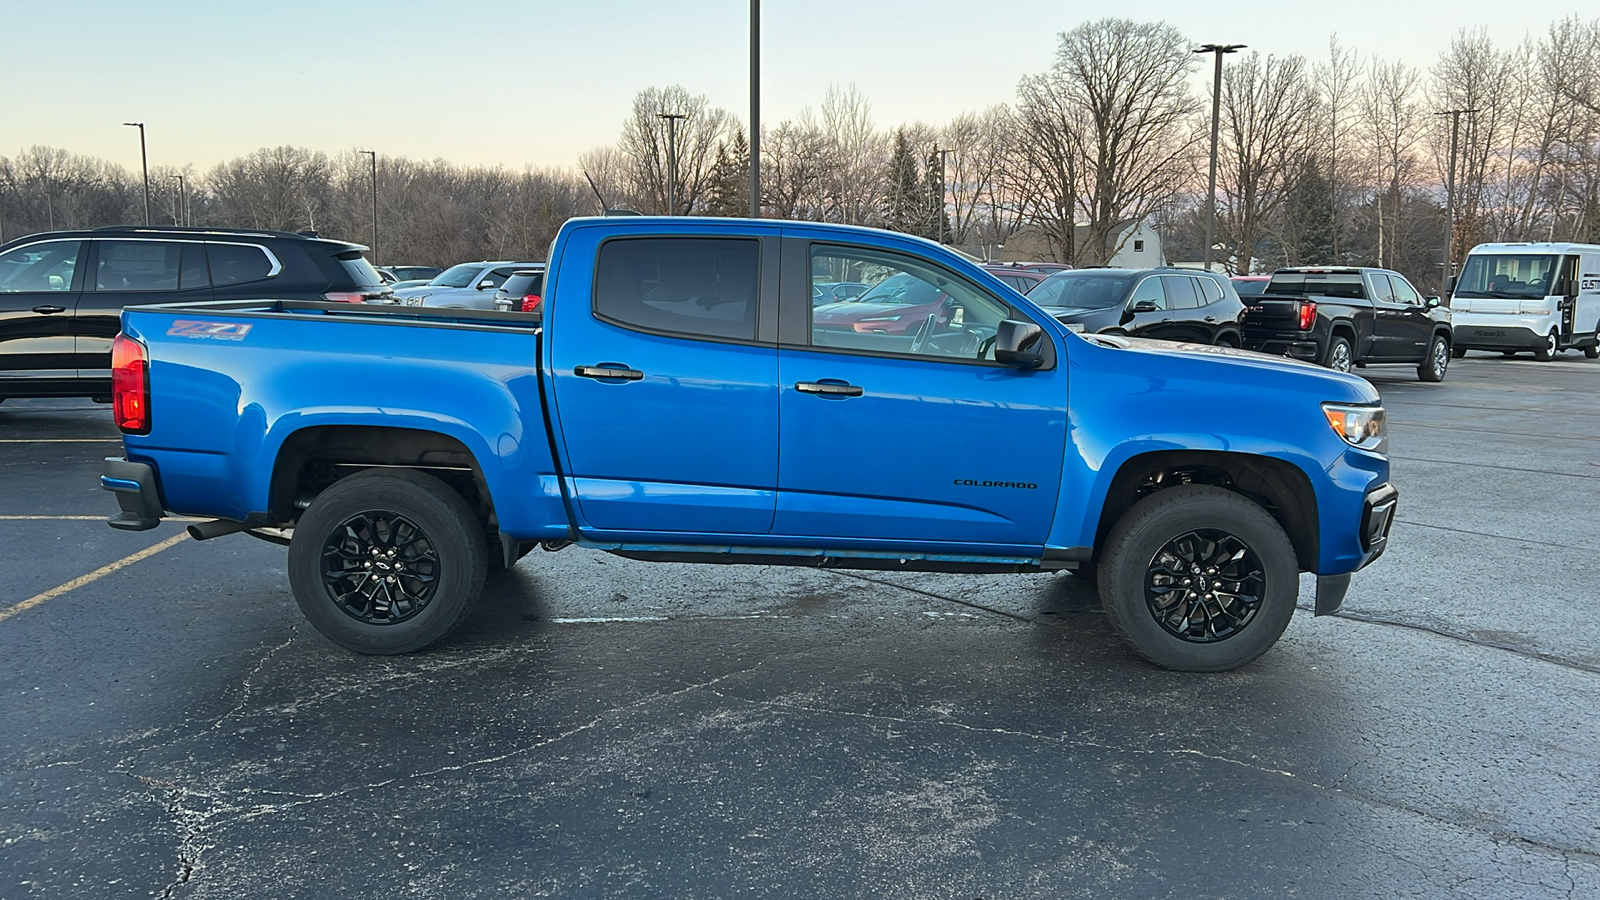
column 1543, row 297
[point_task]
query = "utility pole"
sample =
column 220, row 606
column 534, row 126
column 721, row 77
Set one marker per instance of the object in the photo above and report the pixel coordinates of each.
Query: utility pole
column 374, row 155
column 180, row 203
column 144, row 160
column 1216, row 113
column 672, row 159
column 755, row 109
column 940, row 221
column 1448, row 266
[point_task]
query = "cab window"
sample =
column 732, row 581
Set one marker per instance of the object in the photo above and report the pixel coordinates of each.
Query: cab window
column 38, row 267
column 909, row 307
column 695, row 287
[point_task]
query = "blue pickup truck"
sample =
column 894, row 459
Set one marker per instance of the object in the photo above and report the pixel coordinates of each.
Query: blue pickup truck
column 681, row 399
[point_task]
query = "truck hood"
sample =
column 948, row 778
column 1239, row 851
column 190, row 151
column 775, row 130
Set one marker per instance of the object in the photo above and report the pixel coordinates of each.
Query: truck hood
column 1244, row 366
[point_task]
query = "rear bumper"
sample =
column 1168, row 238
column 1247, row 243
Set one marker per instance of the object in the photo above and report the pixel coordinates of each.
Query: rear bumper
column 1377, row 518
column 134, row 485
column 1296, row 348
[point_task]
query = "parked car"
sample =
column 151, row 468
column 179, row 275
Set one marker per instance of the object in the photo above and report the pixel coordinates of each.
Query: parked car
column 1166, row 304
column 1250, row 285
column 647, row 418
column 1022, row 280
column 896, row 305
column 416, row 282
column 1543, row 297
column 464, row 286
column 1042, row 268
column 522, row 292
column 1342, row 317
column 62, row 292
column 412, row 273
column 835, row 291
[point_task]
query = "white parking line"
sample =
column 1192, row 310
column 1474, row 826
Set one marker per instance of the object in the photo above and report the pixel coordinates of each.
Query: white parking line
column 83, row 519
column 94, row 576
column 61, row 441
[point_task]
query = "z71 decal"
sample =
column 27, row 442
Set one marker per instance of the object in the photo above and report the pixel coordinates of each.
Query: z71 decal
column 214, row 331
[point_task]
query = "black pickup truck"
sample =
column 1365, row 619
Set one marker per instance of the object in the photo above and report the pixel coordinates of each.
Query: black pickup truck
column 1344, row 317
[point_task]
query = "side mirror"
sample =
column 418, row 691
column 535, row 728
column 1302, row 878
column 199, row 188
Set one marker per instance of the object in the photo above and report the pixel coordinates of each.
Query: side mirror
column 1430, row 302
column 1567, row 287
column 486, row 284
column 1450, row 285
column 1144, row 306
column 1019, row 344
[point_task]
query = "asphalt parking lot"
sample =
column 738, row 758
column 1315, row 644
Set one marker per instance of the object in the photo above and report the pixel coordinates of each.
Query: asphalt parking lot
column 170, row 726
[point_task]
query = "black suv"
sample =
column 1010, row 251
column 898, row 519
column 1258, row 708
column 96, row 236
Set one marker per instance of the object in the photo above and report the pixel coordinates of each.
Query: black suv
column 62, row 292
column 1167, row 304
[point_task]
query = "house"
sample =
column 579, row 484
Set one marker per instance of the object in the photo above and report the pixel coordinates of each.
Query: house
column 1132, row 245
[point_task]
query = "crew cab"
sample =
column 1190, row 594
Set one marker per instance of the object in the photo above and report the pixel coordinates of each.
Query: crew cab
column 1346, row 317
column 682, row 400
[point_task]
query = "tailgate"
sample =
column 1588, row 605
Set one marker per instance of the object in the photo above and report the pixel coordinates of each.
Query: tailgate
column 1272, row 315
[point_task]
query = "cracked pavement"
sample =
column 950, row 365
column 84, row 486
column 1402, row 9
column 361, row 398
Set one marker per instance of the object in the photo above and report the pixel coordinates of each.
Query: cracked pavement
column 602, row 727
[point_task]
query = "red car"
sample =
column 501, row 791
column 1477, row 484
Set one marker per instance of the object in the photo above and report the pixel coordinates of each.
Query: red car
column 898, row 304
column 1021, row 279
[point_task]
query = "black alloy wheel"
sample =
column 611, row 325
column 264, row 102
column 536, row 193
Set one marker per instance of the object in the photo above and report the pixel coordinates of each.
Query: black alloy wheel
column 1204, row 586
column 379, row 568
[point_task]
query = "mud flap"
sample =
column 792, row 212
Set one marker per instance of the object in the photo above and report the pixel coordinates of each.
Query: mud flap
column 1330, row 593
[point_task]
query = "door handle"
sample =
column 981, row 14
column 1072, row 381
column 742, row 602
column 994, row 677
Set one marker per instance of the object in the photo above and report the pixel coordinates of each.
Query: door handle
column 828, row 388
column 1211, row 318
column 49, row 310
column 608, row 371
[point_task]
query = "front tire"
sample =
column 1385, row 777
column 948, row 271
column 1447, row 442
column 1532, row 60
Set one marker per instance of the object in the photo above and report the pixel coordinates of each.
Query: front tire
column 1339, row 357
column 387, row 561
column 1552, row 346
column 1433, row 365
column 1198, row 579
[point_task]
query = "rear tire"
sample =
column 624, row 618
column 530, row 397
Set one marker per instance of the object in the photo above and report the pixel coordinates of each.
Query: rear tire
column 1592, row 351
column 387, row 561
column 1433, row 366
column 1339, row 357
column 1198, row 579
column 1552, row 346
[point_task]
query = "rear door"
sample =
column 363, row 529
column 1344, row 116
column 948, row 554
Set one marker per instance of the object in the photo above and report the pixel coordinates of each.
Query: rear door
column 664, row 366
column 906, row 439
column 39, row 287
column 132, row 272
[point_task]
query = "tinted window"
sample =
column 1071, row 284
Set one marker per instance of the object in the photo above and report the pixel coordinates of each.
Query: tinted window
column 138, row 266
column 358, row 270
column 909, row 307
column 1378, row 285
column 523, row 285
column 703, row 287
column 1180, row 292
column 1086, row 291
column 195, row 273
column 1404, row 292
column 496, row 277
column 38, row 267
column 1345, row 285
column 1249, row 288
column 237, row 263
column 1210, row 290
column 1149, row 291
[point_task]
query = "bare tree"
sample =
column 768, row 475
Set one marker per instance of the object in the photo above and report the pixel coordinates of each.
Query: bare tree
column 1336, row 81
column 1266, row 133
column 794, row 168
column 645, row 145
column 857, row 158
column 1394, row 127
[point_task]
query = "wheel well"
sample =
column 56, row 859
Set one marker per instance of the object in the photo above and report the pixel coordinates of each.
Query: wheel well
column 312, row 459
column 1229, row 335
column 1346, row 330
column 1277, row 486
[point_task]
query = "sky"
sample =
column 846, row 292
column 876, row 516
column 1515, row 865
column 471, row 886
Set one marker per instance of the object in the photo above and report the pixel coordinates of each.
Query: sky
column 536, row 82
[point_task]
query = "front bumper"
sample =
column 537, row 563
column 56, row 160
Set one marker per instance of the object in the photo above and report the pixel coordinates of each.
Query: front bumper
column 1500, row 331
column 137, row 494
column 1377, row 518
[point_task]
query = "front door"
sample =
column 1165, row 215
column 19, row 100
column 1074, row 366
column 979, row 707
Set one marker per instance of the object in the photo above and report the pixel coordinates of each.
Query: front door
column 917, row 436
column 665, row 391
column 131, row 272
column 39, row 285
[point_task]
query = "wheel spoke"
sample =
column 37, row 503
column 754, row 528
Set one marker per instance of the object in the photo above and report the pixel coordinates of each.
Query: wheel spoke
column 1204, row 585
column 380, row 568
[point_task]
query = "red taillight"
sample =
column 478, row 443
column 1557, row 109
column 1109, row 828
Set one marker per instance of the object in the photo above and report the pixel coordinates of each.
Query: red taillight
column 130, row 385
column 1308, row 314
column 531, row 302
column 345, row 297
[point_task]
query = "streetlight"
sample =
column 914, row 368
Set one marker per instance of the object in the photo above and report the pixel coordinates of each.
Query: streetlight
column 181, row 202
column 672, row 159
column 374, row 155
column 1216, row 112
column 755, row 109
column 1449, row 265
column 145, row 160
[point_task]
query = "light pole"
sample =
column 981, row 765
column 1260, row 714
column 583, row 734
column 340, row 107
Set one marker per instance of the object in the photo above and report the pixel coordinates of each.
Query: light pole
column 755, row 109
column 144, row 160
column 1216, row 112
column 672, row 159
column 374, row 155
column 180, row 206
column 1448, row 266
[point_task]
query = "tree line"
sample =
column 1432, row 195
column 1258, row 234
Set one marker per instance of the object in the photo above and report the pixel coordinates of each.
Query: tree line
column 1337, row 160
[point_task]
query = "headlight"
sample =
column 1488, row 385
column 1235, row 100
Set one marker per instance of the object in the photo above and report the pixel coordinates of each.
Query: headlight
column 884, row 318
column 1360, row 426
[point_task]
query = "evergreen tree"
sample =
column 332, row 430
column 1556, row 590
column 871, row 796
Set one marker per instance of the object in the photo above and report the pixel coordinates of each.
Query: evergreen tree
column 905, row 207
column 1308, row 235
column 729, row 191
column 935, row 218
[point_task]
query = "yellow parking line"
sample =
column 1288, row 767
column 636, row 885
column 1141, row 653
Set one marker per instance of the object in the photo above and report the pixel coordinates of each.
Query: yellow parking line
column 92, row 577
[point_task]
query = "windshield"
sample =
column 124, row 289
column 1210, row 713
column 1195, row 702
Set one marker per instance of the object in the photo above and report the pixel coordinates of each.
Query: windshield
column 457, row 276
column 902, row 290
column 1506, row 276
column 1080, row 290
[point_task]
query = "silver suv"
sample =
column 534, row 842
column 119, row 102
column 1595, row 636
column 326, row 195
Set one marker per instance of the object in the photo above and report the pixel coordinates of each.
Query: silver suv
column 464, row 286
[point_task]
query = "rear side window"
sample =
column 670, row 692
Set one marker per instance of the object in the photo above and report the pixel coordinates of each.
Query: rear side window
column 1210, row 290
column 237, row 263
column 699, row 287
column 138, row 266
column 1180, row 292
